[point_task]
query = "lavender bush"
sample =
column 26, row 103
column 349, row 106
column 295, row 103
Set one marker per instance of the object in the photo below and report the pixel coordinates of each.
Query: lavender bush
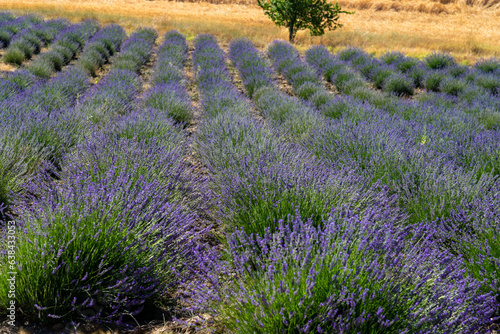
column 349, row 276
column 398, row 85
column 438, row 61
column 491, row 65
column 100, row 249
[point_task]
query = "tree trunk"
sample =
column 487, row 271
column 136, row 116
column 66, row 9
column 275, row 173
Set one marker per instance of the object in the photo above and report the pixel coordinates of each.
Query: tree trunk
column 291, row 35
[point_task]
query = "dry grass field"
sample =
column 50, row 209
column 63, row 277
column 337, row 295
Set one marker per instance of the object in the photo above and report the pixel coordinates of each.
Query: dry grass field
column 469, row 29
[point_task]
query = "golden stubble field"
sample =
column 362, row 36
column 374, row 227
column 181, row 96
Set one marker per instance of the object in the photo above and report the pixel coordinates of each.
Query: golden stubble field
column 469, row 29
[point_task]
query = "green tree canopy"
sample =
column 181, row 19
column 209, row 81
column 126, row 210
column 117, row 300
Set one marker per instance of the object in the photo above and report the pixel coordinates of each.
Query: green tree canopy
column 315, row 15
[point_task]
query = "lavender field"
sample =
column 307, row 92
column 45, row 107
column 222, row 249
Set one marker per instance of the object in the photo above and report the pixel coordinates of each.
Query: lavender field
column 261, row 191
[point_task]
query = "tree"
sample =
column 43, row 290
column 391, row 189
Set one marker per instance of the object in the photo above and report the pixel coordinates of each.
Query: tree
column 315, row 15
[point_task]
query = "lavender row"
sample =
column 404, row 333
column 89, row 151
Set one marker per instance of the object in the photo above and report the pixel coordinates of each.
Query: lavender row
column 283, row 258
column 136, row 50
column 64, row 48
column 169, row 95
column 10, row 28
column 100, row 48
column 214, row 79
column 30, row 41
column 172, row 56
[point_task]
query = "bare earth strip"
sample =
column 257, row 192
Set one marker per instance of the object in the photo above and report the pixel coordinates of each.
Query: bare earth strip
column 469, row 33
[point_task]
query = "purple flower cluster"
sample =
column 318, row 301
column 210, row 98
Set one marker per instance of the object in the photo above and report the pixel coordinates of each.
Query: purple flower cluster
column 30, row 41
column 473, row 232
